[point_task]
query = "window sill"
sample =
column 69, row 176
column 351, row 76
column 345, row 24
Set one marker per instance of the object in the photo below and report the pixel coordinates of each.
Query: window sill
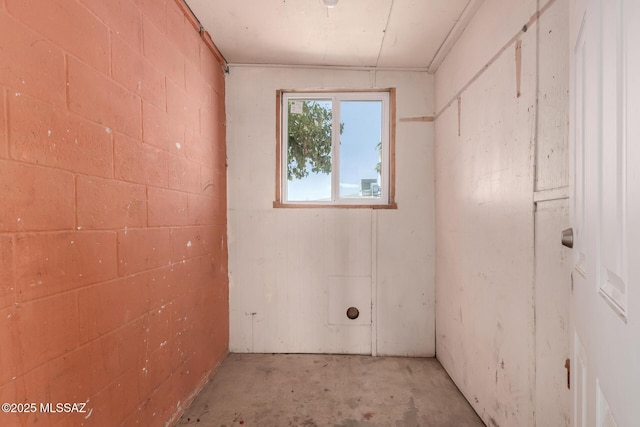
column 281, row 205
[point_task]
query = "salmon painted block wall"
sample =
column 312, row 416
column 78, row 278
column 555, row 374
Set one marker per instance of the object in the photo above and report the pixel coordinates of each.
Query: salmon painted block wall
column 113, row 268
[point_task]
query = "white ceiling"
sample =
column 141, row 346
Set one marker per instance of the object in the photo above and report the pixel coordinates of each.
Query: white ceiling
column 404, row 34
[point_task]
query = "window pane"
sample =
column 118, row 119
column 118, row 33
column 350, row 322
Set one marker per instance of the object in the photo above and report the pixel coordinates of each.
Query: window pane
column 361, row 149
column 309, row 150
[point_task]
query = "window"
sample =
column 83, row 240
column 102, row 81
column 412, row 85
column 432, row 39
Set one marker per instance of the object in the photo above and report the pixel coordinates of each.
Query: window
column 335, row 149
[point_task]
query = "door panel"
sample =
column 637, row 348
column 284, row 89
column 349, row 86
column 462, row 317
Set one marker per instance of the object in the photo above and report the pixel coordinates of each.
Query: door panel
column 612, row 275
column 605, row 200
column 579, row 385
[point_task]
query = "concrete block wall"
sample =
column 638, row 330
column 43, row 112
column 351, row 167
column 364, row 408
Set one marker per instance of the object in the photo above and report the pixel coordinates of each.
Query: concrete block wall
column 113, row 267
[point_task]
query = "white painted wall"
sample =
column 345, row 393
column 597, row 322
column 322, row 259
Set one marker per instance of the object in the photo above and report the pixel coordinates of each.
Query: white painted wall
column 553, row 261
column 553, row 292
column 493, row 151
column 283, row 263
column 494, row 24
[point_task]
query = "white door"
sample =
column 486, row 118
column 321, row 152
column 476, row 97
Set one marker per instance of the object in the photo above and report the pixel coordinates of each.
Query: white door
column 605, row 125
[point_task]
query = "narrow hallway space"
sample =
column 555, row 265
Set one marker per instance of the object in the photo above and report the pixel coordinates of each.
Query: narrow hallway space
column 340, row 213
column 329, row 390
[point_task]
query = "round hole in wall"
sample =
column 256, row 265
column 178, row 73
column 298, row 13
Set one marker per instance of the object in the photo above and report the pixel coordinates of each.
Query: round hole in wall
column 353, row 313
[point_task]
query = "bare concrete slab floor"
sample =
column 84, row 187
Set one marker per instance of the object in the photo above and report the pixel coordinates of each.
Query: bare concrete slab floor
column 330, row 390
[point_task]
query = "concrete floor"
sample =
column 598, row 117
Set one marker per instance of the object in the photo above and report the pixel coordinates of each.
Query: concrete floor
column 330, row 390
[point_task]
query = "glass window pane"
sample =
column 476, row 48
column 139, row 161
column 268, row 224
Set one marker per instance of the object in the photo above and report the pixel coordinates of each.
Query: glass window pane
column 361, row 149
column 309, row 150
